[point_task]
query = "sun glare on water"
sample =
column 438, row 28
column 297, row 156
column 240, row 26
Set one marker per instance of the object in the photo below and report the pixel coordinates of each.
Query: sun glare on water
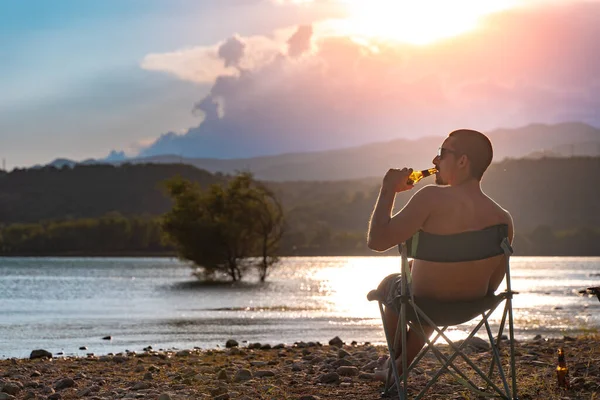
column 418, row 22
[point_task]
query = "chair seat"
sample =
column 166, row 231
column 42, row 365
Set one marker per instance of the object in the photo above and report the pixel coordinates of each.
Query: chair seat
column 446, row 313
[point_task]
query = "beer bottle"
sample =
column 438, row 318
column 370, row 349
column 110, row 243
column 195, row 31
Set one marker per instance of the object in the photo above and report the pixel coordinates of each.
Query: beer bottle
column 562, row 371
column 416, row 176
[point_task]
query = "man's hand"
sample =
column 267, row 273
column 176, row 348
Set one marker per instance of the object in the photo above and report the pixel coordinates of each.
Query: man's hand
column 396, row 180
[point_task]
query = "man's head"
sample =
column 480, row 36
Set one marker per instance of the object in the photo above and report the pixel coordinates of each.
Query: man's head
column 464, row 155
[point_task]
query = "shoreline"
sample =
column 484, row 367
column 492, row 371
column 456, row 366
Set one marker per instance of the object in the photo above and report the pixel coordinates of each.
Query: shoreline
column 260, row 371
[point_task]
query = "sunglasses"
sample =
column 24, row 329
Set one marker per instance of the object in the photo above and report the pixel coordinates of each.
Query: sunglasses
column 442, row 151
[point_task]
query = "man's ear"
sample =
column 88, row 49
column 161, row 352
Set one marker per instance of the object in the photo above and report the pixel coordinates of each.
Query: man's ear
column 463, row 161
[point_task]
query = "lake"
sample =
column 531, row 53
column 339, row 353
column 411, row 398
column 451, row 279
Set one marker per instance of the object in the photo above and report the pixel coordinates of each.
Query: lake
column 61, row 304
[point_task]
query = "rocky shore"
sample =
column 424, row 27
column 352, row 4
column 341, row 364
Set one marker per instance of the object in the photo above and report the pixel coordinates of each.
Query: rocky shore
column 302, row 371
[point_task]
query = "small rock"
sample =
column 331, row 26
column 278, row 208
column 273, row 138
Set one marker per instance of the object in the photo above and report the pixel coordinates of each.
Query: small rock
column 183, row 353
column 336, row 341
column 279, row 346
column 141, row 386
column 537, row 337
column 29, row 395
column 309, row 397
column 11, row 389
column 148, row 376
column 164, row 396
column 343, row 353
column 54, row 396
column 242, row 375
column 256, row 346
column 83, row 348
column 6, row 396
column 477, row 344
column 64, row 383
column 568, row 339
column 224, row 396
column 370, row 366
column 222, row 376
column 331, row 377
column 366, row 376
column 47, row 390
column 40, row 354
column 231, row 343
column 347, row 371
column 265, row 347
column 296, row 367
column 107, row 338
column 153, row 368
column 216, row 391
column 258, row 363
column 36, row 374
column 264, row 373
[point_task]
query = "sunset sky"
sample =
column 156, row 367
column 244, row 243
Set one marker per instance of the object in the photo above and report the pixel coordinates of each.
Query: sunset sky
column 241, row 78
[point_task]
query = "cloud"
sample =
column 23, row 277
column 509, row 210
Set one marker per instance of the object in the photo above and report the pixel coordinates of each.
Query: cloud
column 300, row 41
column 521, row 66
column 232, row 51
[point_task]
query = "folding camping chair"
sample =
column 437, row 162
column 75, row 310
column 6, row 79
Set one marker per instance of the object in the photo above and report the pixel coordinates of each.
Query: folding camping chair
column 413, row 312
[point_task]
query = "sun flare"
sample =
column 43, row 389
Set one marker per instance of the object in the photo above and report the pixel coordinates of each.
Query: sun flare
column 417, row 22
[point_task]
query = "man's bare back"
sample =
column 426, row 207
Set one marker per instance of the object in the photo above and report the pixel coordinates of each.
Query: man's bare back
column 460, row 209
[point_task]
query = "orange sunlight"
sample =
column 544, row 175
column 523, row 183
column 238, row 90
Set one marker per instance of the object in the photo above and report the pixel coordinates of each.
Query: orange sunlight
column 416, row 22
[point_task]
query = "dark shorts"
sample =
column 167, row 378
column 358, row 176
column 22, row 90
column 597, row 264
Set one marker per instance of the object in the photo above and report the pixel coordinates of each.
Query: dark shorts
column 390, row 287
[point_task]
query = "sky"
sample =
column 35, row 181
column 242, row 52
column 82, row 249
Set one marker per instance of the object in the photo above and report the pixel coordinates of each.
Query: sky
column 242, row 78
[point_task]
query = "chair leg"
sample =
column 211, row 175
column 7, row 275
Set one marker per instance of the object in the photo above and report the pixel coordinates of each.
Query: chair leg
column 496, row 357
column 391, row 350
column 500, row 331
column 511, row 330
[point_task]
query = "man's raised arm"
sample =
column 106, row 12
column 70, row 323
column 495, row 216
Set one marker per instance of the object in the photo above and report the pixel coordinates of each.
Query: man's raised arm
column 386, row 231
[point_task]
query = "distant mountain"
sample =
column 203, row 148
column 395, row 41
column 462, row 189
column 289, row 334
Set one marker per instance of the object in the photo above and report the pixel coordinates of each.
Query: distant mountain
column 532, row 141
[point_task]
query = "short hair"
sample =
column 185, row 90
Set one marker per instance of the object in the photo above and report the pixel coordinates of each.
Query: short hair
column 477, row 147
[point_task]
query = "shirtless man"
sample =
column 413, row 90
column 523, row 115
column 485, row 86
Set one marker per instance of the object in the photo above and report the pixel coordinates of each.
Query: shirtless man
column 457, row 206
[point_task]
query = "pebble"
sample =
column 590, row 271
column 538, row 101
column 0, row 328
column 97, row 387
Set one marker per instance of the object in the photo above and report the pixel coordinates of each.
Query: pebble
column 83, row 348
column 40, row 353
column 222, row 375
column 55, row 396
column 336, row 341
column 141, row 386
column 6, row 396
column 331, row 377
column 11, row 389
column 64, row 383
column 231, row 343
column 107, row 338
column 309, row 397
column 343, row 353
column 347, row 371
column 264, row 373
column 224, row 396
column 242, row 375
column 164, row 396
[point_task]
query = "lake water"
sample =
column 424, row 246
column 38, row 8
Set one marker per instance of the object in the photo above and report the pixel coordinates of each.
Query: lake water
column 61, row 304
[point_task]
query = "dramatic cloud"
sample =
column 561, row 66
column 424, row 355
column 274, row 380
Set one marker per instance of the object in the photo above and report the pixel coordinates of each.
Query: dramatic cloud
column 523, row 66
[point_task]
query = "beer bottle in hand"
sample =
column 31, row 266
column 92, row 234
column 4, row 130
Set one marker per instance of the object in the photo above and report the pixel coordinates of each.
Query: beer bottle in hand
column 416, row 176
column 562, row 371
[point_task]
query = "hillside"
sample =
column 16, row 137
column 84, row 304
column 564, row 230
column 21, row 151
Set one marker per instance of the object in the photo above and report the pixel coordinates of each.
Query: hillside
column 535, row 141
column 559, row 192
